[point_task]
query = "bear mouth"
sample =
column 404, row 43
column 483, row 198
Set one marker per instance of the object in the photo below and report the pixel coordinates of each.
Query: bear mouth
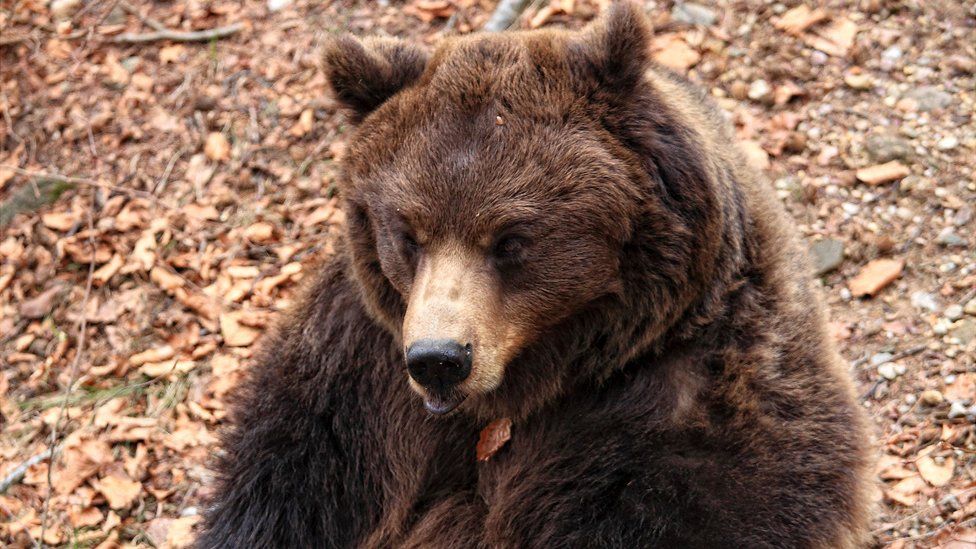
column 443, row 404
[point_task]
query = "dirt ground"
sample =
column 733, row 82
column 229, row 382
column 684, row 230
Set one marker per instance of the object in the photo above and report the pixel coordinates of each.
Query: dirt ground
column 162, row 198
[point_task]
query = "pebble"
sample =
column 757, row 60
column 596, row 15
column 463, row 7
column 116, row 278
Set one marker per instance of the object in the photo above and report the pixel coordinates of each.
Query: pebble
column 881, row 358
column 891, row 370
column 924, row 300
column 964, row 331
column 970, row 307
column 941, row 327
column 827, row 255
column 63, row 9
column 818, row 58
column 947, row 143
column 929, row 98
column 948, row 237
column 953, row 312
column 693, row 14
column 931, row 397
column 889, row 57
column 277, row 5
column 760, row 90
column 957, row 409
column 883, row 147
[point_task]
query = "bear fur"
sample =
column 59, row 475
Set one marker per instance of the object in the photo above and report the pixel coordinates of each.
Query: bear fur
column 664, row 358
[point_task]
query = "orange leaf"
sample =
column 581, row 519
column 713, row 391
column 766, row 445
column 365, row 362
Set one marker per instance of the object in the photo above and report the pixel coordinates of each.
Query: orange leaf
column 493, row 438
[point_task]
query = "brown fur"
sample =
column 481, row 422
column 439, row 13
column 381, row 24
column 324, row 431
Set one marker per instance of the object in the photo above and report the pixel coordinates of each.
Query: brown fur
column 656, row 341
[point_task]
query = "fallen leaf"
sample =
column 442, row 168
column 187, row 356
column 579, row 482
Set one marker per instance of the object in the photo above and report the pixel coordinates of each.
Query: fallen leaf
column 962, row 389
column 874, row 276
column 165, row 279
column 933, row 473
column 217, row 148
column 799, row 19
column 882, row 173
column 259, row 232
column 119, row 490
column 104, row 274
column 60, row 221
column 304, row 124
column 157, row 354
column 905, row 492
column 673, row 52
column 171, row 54
column 181, row 532
column 40, row 306
column 234, row 333
column 493, row 438
column 88, row 516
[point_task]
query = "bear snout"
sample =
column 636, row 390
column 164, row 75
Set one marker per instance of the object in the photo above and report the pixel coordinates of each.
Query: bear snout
column 439, row 365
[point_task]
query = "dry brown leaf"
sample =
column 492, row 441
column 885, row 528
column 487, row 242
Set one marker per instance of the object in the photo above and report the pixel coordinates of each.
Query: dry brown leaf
column 304, row 124
column 41, row 306
column 82, row 517
column 905, row 492
column 217, row 148
column 835, row 39
column 874, row 276
column 234, row 333
column 165, row 279
column 171, row 54
column 799, row 19
column 962, row 389
column 933, row 473
column 104, row 274
column 119, row 490
column 261, row 232
column 180, row 533
column 673, row 52
column 60, row 221
column 882, row 173
column 493, row 438
column 157, row 354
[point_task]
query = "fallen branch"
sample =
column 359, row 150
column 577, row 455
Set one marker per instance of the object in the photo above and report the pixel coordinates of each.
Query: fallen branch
column 506, row 12
column 18, row 473
column 180, row 36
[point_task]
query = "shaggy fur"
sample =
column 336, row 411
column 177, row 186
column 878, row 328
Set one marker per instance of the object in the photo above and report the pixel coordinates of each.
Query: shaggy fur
column 673, row 384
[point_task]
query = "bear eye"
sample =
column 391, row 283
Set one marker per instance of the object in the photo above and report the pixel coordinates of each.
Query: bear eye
column 509, row 249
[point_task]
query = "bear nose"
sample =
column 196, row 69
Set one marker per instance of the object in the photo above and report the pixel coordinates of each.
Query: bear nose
column 439, row 364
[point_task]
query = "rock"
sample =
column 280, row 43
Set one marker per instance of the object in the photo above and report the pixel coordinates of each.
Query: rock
column 931, row 397
column 890, row 57
column 692, row 14
column 953, row 312
column 963, row 331
column 883, row 147
column 926, row 301
column 947, row 143
column 859, row 81
column 890, row 370
column 760, row 91
column 827, row 255
column 874, row 276
column 963, row 216
column 941, row 327
column 948, row 238
column 882, row 173
column 278, row 5
column 63, row 9
column 970, row 307
column 929, row 98
column 881, row 358
column 956, row 410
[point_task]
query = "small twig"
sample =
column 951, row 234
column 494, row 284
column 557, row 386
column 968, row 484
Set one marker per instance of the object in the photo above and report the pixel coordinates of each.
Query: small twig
column 145, row 19
column 18, row 472
column 72, row 374
column 180, row 36
column 505, row 15
column 78, row 181
column 161, row 185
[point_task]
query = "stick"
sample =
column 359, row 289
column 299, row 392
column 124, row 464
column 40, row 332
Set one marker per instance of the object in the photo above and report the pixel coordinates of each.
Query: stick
column 180, row 36
column 72, row 374
column 18, row 473
column 504, row 15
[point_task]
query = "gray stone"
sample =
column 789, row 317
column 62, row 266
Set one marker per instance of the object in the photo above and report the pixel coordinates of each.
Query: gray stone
column 884, row 147
column 693, row 14
column 957, row 409
column 888, row 371
column 930, row 98
column 947, row 143
column 963, row 216
column 760, row 90
column 963, row 330
column 931, row 397
column 881, row 358
column 953, row 312
column 948, row 238
column 827, row 255
column 924, row 300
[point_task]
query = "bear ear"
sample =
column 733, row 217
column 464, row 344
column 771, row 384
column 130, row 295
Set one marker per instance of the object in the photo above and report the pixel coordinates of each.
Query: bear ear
column 616, row 46
column 364, row 74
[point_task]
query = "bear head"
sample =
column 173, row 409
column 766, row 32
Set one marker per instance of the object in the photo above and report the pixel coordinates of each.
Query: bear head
column 525, row 211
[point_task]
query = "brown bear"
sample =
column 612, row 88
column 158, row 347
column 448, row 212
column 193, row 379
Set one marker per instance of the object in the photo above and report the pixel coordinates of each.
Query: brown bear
column 543, row 226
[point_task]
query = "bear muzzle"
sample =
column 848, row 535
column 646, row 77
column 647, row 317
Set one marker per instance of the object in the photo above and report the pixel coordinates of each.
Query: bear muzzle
column 439, row 366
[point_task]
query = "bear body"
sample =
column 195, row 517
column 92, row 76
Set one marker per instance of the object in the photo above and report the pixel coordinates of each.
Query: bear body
column 627, row 292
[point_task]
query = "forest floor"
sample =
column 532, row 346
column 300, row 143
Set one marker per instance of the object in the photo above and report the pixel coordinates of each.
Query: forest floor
column 161, row 200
